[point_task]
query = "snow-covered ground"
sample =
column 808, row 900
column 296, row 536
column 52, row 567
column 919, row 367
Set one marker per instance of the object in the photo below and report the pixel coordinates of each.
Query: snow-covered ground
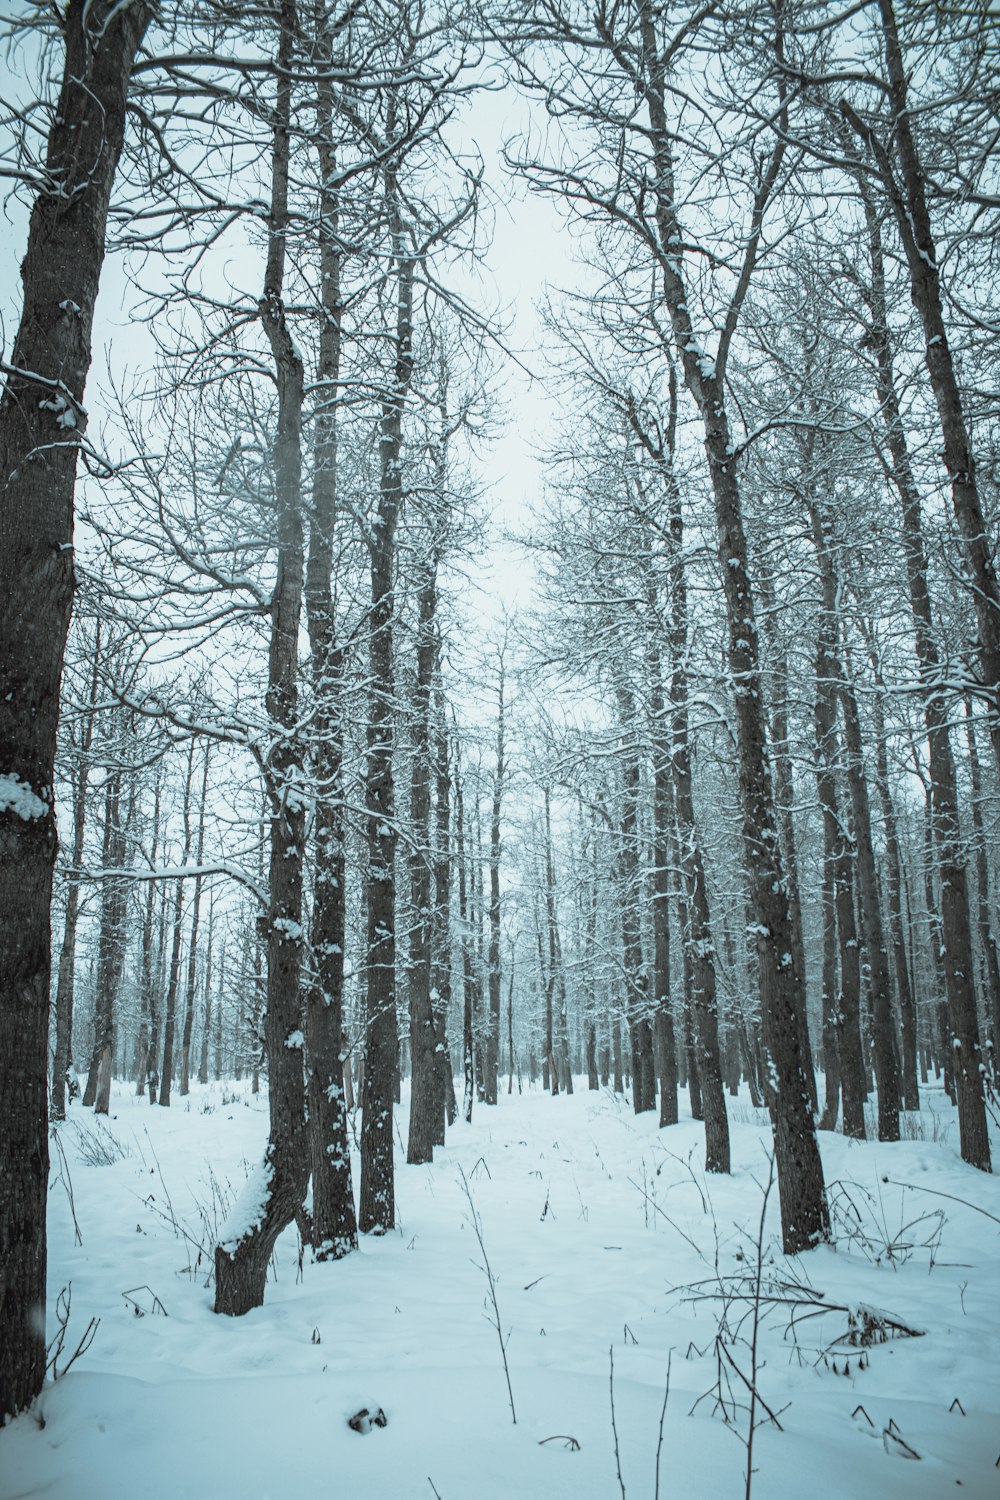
column 594, row 1223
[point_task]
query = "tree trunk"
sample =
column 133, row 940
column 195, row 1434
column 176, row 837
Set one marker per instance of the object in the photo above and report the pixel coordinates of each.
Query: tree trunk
column 894, row 883
column 173, row 974
column 67, row 953
column 663, row 1018
column 110, row 945
column 964, row 1051
column 377, row 1213
column 907, row 196
column 886, row 1070
column 468, row 980
column 698, row 933
column 801, row 1190
column 424, row 1088
column 493, row 959
column 206, row 1029
column 275, row 1192
column 445, row 1108
column 838, row 862
column 192, row 969
column 784, row 796
column 986, row 939
column 147, row 1078
column 41, row 414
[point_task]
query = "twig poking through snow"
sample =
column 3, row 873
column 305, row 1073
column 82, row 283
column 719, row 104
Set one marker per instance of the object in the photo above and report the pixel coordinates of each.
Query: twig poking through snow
column 487, row 1270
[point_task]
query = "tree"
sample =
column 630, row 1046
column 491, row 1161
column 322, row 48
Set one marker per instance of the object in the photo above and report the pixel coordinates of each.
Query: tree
column 42, row 423
column 280, row 1183
column 627, row 178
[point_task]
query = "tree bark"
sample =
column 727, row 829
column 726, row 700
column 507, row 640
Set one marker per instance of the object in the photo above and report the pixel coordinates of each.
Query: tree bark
column 278, row 1188
column 110, row 946
column 801, row 1190
column 842, row 1015
column 493, row 957
column 886, row 1070
column 424, row 1090
column 907, row 196
column 964, row 1050
column 377, row 1213
column 192, row 968
column 65, row 982
column 41, row 417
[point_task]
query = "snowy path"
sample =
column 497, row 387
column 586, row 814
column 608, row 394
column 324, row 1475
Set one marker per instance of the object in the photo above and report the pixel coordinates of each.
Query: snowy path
column 591, row 1219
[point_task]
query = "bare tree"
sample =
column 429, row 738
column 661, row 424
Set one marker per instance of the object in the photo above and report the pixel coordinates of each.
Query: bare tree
column 42, row 420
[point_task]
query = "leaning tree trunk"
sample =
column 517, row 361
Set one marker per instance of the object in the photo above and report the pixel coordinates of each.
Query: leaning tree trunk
column 275, row 1191
column 41, row 417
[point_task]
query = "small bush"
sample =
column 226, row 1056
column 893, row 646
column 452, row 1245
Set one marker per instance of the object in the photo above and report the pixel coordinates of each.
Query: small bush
column 97, row 1145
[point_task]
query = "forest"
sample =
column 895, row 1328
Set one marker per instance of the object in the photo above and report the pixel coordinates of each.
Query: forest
column 499, row 748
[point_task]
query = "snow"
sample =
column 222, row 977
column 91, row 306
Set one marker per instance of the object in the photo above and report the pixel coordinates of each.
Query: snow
column 597, row 1225
column 248, row 1209
column 16, row 796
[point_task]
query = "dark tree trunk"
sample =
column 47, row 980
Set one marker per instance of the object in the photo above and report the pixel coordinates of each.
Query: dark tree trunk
column 192, row 968
column 784, row 797
column 150, row 970
column 493, row 1031
column 67, row 954
column 630, row 896
column 40, row 412
column 904, row 183
column 377, row 1211
column 276, row 1192
column 838, row 863
column 886, row 1070
column 424, row 1089
column 986, row 939
column 110, row 947
column 206, row 1028
column 173, row 973
column 698, row 931
column 445, row 1106
column 801, row 1190
column 964, row 1052
column 554, row 1010
column 468, row 983
column 663, row 1017
column 334, row 1221
column 894, row 884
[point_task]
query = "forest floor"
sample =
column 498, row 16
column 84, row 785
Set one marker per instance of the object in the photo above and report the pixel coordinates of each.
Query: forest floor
column 602, row 1233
